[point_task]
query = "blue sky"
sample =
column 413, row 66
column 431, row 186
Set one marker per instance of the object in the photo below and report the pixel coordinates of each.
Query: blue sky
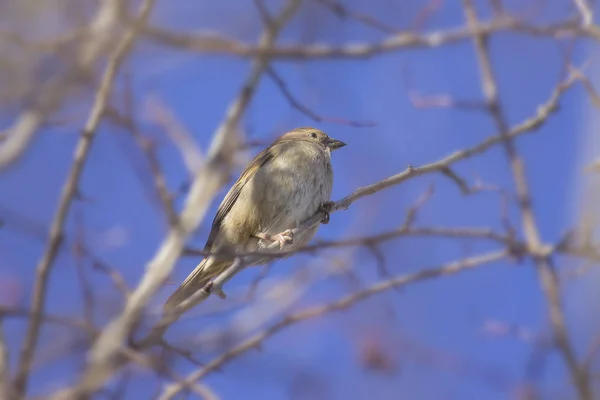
column 443, row 317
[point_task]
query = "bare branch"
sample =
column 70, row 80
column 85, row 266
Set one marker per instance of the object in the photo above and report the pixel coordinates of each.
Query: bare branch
column 547, row 275
column 191, row 153
column 307, row 111
column 544, row 111
column 5, row 385
column 342, row 12
column 148, row 148
column 11, row 312
column 212, row 43
column 585, row 11
column 68, row 192
column 106, row 354
column 339, row 305
column 101, row 30
column 134, row 337
column 215, row 44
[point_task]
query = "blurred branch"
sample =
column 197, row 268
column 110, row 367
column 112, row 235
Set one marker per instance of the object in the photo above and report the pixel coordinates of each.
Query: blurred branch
column 5, row 386
column 106, row 354
column 314, row 312
column 343, row 12
column 160, row 181
column 99, row 37
column 535, row 246
column 441, row 166
column 403, row 231
column 73, row 323
column 211, row 43
column 493, row 327
column 87, row 291
column 587, row 17
column 443, row 101
column 593, row 167
column 49, row 44
column 307, row 111
column 187, row 146
column 529, row 125
column 214, row 43
column 68, row 192
column 148, row 148
column 116, row 347
column 113, row 274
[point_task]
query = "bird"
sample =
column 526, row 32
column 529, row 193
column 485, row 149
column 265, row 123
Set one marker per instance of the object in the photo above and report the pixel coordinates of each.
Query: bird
column 284, row 185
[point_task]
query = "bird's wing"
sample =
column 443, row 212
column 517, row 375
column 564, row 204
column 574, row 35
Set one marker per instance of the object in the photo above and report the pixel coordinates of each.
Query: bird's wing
column 263, row 158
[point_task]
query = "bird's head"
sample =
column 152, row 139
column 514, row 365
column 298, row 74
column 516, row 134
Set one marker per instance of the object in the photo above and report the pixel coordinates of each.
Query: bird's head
column 313, row 135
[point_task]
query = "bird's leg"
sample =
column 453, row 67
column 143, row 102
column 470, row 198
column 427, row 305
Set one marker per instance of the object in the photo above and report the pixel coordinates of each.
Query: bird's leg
column 209, row 288
column 326, row 208
column 283, row 238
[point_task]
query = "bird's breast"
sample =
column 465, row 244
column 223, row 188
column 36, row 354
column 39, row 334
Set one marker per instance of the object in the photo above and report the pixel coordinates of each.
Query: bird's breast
column 293, row 186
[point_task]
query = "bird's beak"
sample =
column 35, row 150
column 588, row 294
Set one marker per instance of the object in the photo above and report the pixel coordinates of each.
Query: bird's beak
column 334, row 144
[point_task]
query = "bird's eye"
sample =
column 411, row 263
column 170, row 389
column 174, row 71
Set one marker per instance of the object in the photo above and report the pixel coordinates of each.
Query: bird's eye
column 313, row 135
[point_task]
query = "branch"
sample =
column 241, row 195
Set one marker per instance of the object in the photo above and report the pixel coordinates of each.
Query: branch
column 339, row 305
column 160, row 114
column 403, row 231
column 148, row 148
column 100, row 33
column 543, row 113
column 68, row 192
column 106, row 355
column 214, row 43
column 280, row 83
column 5, row 387
column 441, row 166
column 586, row 13
column 546, row 273
column 211, row 43
column 71, row 323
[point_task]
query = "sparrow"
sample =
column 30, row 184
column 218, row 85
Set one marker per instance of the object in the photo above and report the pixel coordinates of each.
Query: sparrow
column 284, row 185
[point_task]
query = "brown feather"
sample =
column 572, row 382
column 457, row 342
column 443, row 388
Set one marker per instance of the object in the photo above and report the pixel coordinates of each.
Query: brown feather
column 301, row 173
column 260, row 160
column 200, row 276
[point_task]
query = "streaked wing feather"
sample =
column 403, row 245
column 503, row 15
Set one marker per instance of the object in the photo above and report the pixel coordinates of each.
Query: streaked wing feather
column 231, row 197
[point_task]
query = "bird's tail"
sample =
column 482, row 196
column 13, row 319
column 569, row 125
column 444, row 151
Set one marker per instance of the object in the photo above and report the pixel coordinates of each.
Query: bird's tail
column 200, row 276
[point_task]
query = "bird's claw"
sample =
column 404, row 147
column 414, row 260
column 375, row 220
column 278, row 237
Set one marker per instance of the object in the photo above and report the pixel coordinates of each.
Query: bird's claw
column 282, row 238
column 326, row 209
column 210, row 288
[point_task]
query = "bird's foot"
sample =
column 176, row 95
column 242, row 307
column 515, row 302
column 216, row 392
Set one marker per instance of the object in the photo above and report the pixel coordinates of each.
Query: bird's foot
column 209, row 288
column 326, row 209
column 283, row 238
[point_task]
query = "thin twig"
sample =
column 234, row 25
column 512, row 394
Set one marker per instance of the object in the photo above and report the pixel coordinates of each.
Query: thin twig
column 403, row 231
column 280, row 82
column 5, row 386
column 543, row 112
column 87, row 292
column 585, row 11
column 543, row 262
column 72, row 323
column 211, row 43
column 106, row 355
column 342, row 12
column 339, row 305
column 28, row 122
column 148, row 148
column 191, row 153
column 68, row 192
